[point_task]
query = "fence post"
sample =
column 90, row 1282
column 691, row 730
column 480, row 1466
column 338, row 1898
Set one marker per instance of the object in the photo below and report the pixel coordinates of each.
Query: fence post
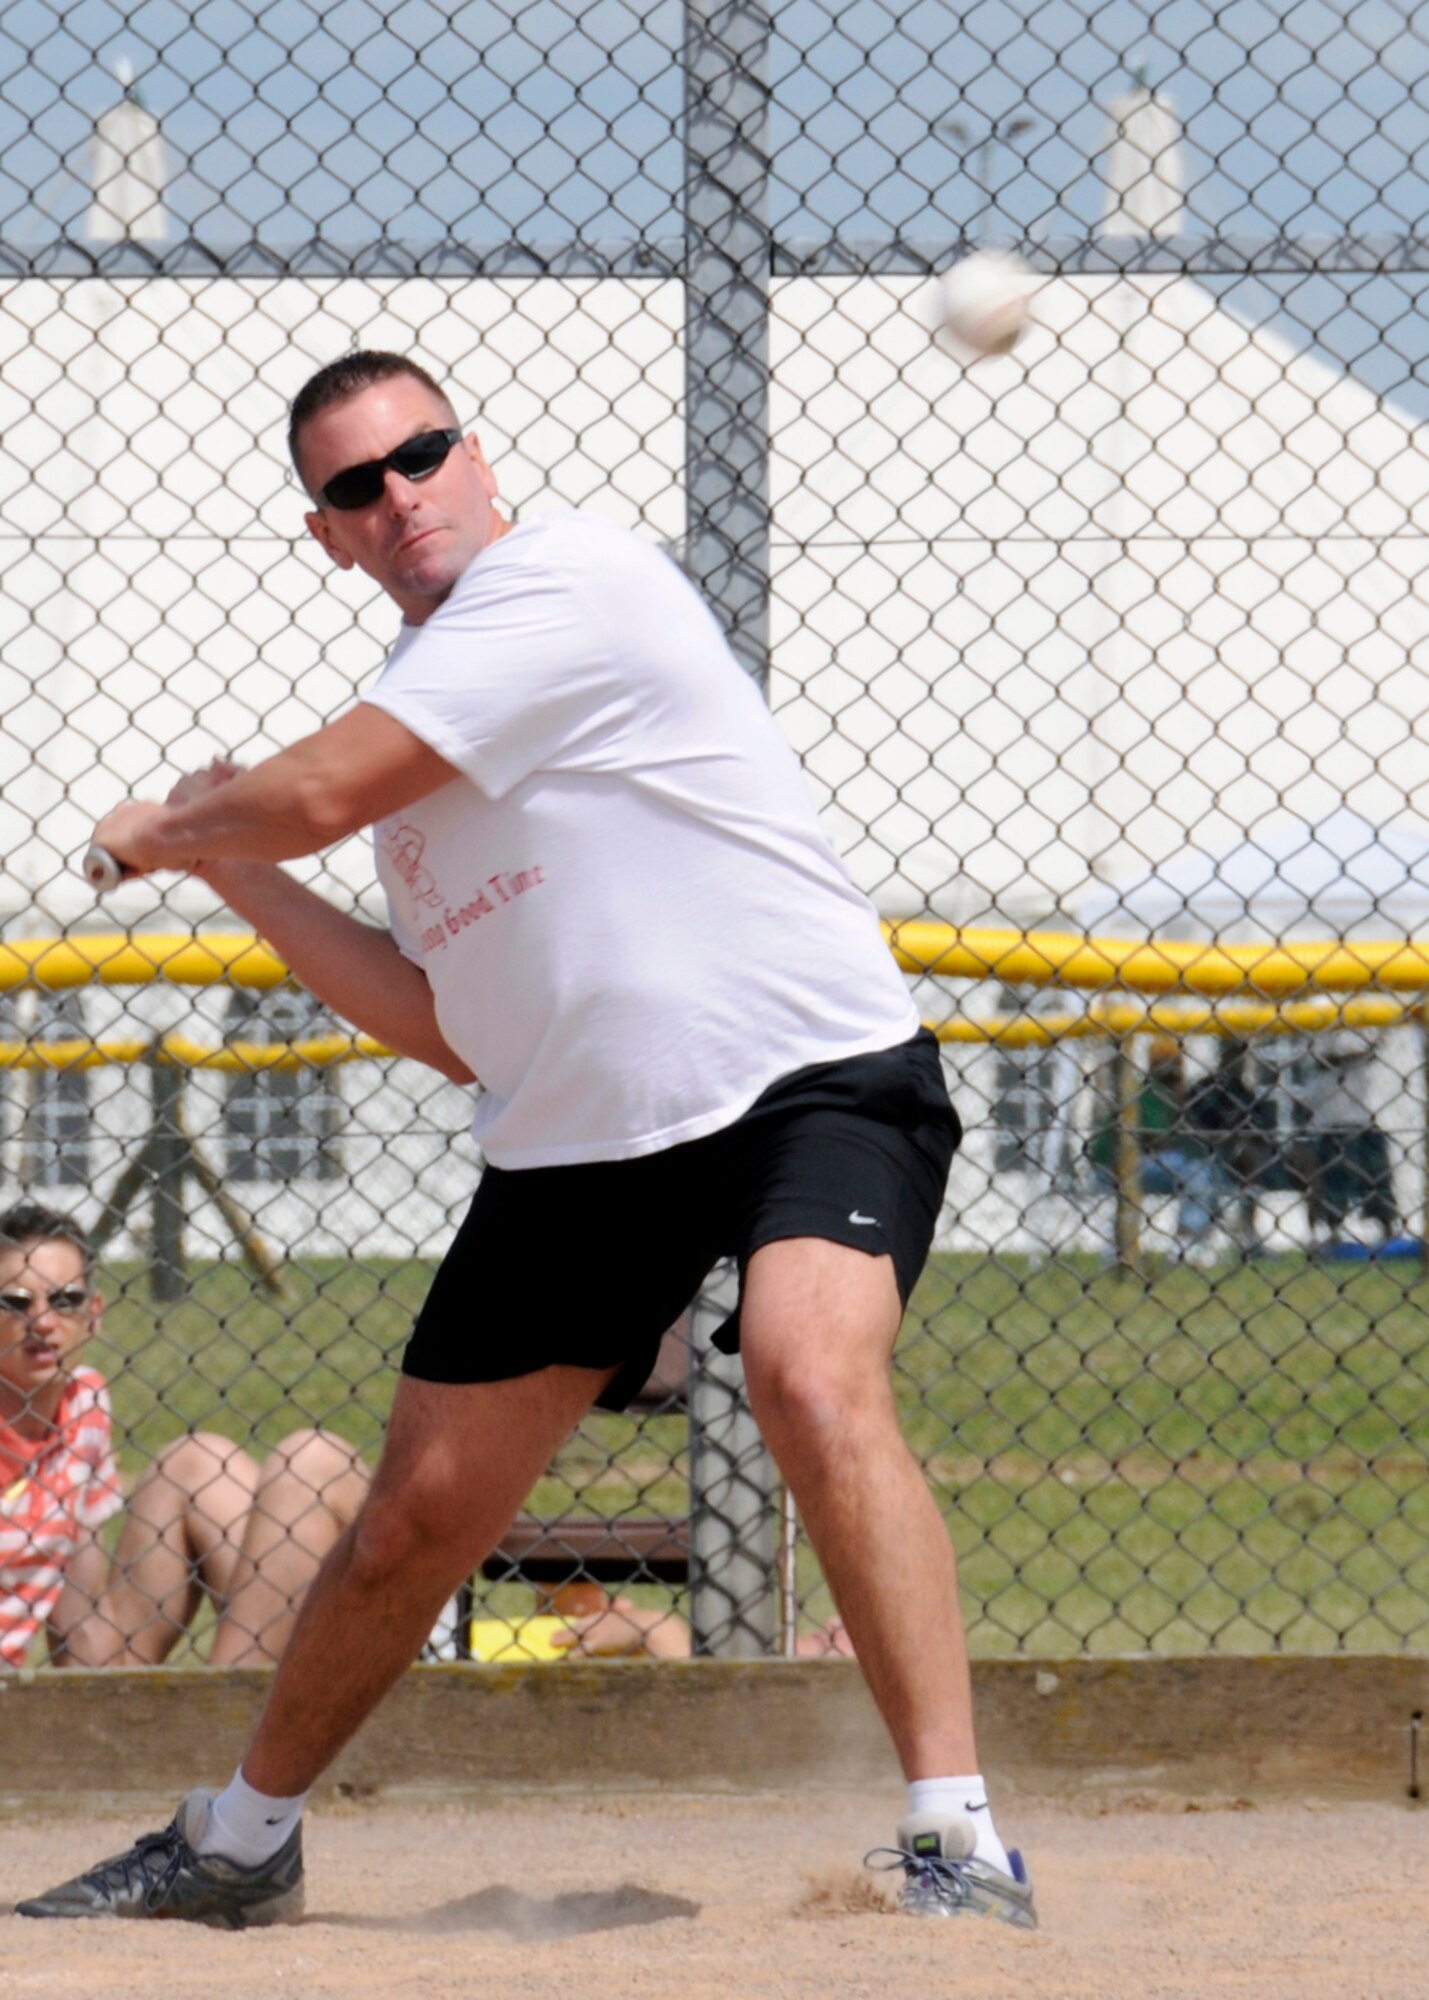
column 1424, row 1195
column 733, row 1565
column 733, row 1555
column 170, row 1157
column 1128, row 1158
column 727, row 258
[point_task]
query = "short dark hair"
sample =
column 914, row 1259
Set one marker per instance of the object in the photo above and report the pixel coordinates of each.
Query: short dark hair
column 32, row 1222
column 363, row 369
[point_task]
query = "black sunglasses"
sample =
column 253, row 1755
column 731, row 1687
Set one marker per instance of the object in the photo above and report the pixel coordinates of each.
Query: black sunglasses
column 359, row 485
column 68, row 1299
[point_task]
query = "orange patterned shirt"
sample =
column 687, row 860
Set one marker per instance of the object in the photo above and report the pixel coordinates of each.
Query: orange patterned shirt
column 54, row 1492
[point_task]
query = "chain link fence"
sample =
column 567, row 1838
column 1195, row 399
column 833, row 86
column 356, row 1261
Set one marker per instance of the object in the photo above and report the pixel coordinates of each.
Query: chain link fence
column 1119, row 637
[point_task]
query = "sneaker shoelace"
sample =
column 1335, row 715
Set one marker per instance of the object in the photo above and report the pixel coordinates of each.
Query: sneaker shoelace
column 150, row 1866
column 928, row 1875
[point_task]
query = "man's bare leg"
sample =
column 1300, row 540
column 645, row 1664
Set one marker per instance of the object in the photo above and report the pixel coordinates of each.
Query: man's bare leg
column 459, row 1461
column 310, row 1489
column 817, row 1328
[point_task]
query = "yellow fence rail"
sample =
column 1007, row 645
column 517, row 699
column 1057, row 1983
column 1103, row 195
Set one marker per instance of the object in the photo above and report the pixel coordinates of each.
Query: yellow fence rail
column 1048, row 958
column 1235, row 1019
column 1008, row 1031
column 1017, row 958
column 234, row 1058
column 1251, row 989
column 213, row 958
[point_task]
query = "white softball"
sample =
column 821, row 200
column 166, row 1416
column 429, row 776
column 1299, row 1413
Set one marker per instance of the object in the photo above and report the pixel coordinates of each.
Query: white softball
column 987, row 301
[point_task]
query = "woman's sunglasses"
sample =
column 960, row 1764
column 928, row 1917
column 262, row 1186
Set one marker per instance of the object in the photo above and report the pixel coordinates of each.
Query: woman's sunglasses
column 359, row 485
column 68, row 1299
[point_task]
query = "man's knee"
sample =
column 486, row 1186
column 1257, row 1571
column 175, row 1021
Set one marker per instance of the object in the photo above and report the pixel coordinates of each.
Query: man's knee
column 817, row 1326
column 408, row 1530
column 818, row 1398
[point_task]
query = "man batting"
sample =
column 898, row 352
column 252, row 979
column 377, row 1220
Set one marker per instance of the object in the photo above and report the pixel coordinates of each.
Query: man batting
column 612, row 902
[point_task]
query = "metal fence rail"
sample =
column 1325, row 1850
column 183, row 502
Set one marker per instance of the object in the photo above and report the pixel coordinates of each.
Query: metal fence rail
column 1105, row 660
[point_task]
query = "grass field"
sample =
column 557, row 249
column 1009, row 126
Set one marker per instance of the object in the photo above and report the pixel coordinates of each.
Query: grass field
column 1232, row 1460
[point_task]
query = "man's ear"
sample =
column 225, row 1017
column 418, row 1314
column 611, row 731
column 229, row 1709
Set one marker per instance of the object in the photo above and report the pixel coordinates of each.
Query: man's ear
column 319, row 529
column 472, row 447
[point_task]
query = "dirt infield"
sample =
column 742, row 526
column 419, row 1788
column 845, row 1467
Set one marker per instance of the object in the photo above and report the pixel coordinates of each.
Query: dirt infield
column 722, row 1898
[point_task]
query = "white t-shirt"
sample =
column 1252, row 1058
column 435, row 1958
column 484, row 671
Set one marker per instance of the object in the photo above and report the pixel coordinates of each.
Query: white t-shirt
column 630, row 917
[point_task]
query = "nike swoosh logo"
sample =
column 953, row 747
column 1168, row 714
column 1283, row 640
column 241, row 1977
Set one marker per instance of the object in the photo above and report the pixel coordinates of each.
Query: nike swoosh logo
column 981, row 1806
column 275, row 1822
column 864, row 1221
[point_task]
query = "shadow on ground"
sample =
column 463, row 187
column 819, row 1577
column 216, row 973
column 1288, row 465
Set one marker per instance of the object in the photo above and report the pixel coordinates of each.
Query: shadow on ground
column 531, row 1919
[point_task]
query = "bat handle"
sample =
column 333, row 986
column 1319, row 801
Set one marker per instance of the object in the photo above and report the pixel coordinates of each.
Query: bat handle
column 102, row 871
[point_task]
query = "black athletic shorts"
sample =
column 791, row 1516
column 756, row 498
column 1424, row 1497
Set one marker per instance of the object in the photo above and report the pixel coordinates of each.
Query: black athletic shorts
column 590, row 1265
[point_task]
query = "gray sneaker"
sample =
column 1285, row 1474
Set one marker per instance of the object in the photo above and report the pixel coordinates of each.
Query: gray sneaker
column 161, row 1876
column 941, row 1878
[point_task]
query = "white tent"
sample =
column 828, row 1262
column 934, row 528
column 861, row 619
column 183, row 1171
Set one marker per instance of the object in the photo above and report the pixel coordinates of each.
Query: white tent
column 1149, row 577
column 1287, row 878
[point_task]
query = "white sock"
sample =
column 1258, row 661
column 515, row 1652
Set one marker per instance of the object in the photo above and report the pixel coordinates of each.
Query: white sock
column 247, row 1826
column 968, row 1798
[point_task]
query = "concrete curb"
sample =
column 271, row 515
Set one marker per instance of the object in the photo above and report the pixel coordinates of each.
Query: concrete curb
column 1238, row 1728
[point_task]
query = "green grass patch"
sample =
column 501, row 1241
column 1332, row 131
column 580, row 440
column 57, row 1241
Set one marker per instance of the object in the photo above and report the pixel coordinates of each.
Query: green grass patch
column 1233, row 1460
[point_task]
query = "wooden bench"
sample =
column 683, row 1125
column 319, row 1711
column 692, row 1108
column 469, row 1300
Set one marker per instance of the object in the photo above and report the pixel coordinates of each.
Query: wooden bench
column 580, row 1548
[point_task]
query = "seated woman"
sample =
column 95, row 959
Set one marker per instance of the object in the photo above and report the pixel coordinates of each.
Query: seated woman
column 205, row 1519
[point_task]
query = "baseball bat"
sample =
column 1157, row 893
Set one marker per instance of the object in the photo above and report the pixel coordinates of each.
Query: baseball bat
column 102, row 871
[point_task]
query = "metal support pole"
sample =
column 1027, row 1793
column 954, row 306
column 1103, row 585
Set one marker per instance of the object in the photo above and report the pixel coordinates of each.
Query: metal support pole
column 170, row 1155
column 788, row 1574
column 734, row 1598
column 733, row 1553
column 1128, row 1158
column 1423, row 1012
column 727, row 262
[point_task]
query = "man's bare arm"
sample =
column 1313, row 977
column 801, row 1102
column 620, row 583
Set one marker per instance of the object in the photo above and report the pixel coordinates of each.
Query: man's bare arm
column 325, row 787
column 353, row 968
